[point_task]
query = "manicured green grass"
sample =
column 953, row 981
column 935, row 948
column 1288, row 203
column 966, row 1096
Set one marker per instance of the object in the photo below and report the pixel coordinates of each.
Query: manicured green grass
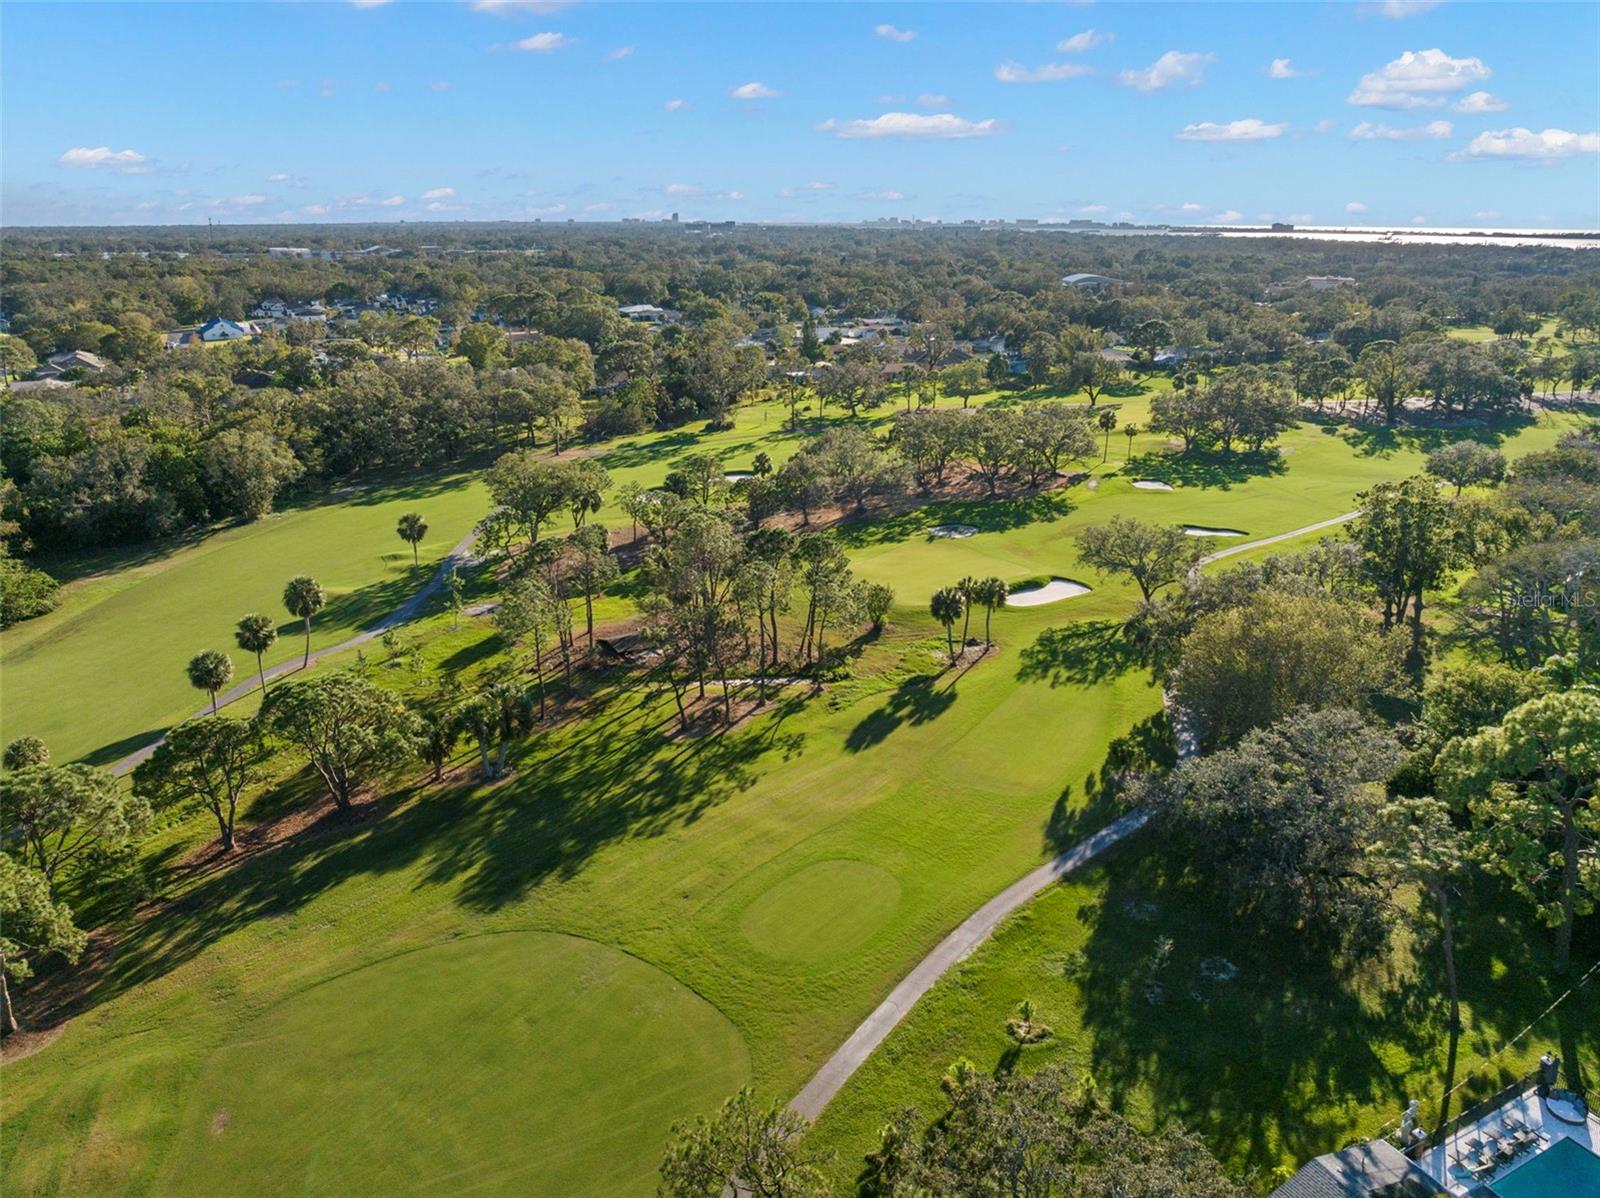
column 123, row 634
column 520, row 1029
column 684, row 854
column 787, row 872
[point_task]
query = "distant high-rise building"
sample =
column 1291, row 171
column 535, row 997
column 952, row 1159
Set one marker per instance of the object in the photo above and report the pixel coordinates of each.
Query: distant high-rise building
column 674, row 218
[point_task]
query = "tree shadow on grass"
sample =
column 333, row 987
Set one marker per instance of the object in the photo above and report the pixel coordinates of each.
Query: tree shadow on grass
column 563, row 805
column 1259, row 1062
column 915, row 701
column 1204, row 468
column 1147, row 746
column 1079, row 654
column 1372, row 440
column 985, row 515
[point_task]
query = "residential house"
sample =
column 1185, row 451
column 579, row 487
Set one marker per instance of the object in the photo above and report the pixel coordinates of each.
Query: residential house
column 1375, row 1170
column 57, row 365
column 1328, row 282
column 649, row 313
column 220, row 328
column 1087, row 282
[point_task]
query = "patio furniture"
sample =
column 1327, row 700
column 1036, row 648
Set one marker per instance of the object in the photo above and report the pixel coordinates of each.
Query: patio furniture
column 1520, row 1129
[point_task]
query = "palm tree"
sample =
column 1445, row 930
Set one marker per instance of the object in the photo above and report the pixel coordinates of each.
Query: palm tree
column 968, row 588
column 992, row 593
column 946, row 606
column 210, row 670
column 1130, row 432
column 256, row 634
column 762, row 466
column 304, row 597
column 411, row 529
column 1107, row 420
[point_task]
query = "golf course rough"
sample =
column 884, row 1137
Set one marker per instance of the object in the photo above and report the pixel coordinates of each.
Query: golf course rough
column 379, row 1081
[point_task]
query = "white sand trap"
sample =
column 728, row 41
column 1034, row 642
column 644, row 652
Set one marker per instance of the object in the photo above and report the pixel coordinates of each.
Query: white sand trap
column 1196, row 530
column 738, row 477
column 1150, row 484
column 952, row 530
column 1051, row 592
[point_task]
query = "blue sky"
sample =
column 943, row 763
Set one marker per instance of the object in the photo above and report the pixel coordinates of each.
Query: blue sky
column 1373, row 113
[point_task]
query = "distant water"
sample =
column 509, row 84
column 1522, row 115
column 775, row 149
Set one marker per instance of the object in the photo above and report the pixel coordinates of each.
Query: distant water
column 1565, row 239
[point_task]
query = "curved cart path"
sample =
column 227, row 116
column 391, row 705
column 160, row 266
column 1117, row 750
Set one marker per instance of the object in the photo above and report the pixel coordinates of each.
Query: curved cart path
column 980, row 925
column 406, row 612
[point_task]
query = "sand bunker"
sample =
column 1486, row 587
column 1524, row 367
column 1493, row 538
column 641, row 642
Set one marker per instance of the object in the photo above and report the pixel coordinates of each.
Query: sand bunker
column 737, row 476
column 1199, row 530
column 952, row 530
column 1150, row 484
column 1053, row 591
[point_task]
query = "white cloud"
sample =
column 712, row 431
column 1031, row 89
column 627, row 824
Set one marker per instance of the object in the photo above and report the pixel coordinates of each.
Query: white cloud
column 316, row 210
column 393, row 201
column 1399, row 10
column 383, row 85
column 1231, row 217
column 247, row 201
column 1249, row 129
column 683, row 189
column 933, row 100
column 513, row 8
column 619, row 53
column 893, row 34
column 542, row 43
column 1175, row 68
column 123, row 162
column 1282, row 68
column 1093, row 210
column 753, row 91
column 1355, row 207
column 1326, row 125
column 675, row 105
column 881, row 197
column 1191, row 206
column 277, row 177
column 369, row 3
column 1418, row 79
column 1050, row 72
column 1433, row 130
column 439, row 85
column 1490, row 214
column 1079, row 42
column 1548, row 145
column 934, row 125
column 439, row 193
column 1481, row 102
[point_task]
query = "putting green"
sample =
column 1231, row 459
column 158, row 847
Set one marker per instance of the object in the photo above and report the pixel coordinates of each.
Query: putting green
column 512, row 1063
column 824, row 910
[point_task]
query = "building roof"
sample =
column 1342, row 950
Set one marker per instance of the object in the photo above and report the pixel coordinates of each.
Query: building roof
column 70, row 358
column 1374, row 1170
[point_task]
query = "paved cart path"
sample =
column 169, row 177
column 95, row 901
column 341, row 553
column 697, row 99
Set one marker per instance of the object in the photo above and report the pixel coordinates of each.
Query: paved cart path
column 406, row 612
column 980, row 925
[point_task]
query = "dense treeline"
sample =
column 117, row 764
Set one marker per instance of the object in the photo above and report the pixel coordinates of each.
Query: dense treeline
column 160, row 441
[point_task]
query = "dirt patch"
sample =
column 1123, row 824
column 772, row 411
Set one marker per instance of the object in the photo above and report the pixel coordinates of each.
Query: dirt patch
column 220, row 1121
column 25, row 1043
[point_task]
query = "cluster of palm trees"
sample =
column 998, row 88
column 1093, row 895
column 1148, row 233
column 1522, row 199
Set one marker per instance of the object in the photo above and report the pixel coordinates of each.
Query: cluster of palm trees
column 211, row 669
column 950, row 604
